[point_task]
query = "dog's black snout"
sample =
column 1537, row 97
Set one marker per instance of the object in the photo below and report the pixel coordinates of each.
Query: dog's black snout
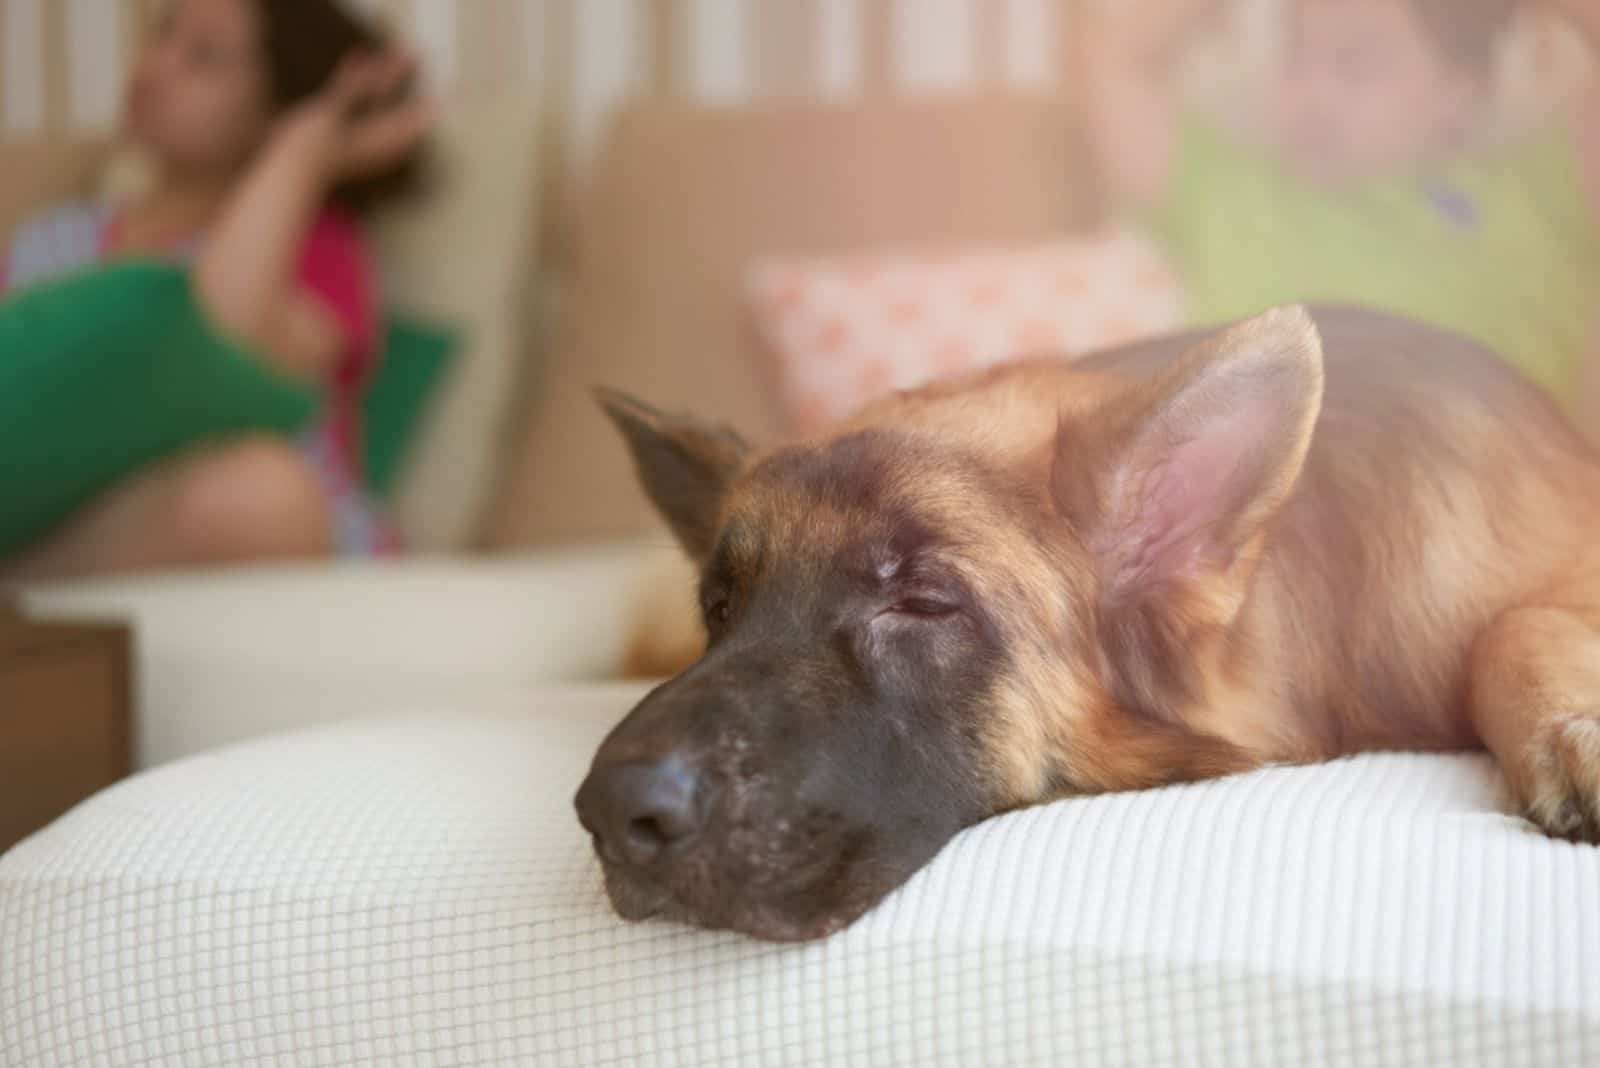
column 635, row 811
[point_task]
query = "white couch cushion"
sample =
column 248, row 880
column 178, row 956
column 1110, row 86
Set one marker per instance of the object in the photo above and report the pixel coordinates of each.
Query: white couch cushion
column 226, row 656
column 418, row 892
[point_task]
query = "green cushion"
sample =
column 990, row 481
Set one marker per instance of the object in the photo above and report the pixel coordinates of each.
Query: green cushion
column 105, row 371
column 415, row 355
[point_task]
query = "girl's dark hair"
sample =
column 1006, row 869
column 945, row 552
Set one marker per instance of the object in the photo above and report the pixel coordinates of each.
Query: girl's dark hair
column 304, row 42
column 1468, row 32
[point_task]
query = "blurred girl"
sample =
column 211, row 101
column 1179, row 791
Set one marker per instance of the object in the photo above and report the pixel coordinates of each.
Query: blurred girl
column 270, row 123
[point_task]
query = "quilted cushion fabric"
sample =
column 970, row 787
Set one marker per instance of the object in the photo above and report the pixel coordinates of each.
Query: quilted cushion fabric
column 416, row 891
column 842, row 332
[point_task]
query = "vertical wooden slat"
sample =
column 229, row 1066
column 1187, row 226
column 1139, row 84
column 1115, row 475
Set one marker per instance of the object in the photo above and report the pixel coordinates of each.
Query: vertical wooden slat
column 557, row 191
column 527, row 56
column 840, row 46
column 57, row 68
column 1068, row 23
column 489, row 39
column 22, row 67
column 555, row 61
column 1069, row 18
column 1031, row 43
column 95, row 51
column 877, row 46
column 555, row 54
column 136, row 20
column 785, row 48
column 477, row 53
column 435, row 25
column 933, row 44
column 610, row 42
column 713, row 52
column 4, row 88
column 528, row 73
column 990, row 19
column 1072, row 17
column 667, row 72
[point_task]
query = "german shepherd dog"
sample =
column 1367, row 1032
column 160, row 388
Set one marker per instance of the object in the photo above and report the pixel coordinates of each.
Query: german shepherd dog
column 1311, row 534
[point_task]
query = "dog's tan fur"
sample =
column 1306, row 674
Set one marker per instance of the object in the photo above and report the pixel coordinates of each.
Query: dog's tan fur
column 1416, row 571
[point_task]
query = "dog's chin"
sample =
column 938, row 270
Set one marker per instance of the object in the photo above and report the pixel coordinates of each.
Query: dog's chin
column 634, row 903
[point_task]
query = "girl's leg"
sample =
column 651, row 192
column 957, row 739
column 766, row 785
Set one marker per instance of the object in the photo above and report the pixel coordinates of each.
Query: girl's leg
column 251, row 499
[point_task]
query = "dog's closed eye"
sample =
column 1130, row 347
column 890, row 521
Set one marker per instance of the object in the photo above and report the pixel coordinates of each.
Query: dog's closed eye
column 923, row 606
column 913, row 585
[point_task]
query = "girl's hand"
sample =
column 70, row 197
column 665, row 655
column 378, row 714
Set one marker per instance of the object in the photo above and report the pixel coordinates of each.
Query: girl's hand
column 367, row 119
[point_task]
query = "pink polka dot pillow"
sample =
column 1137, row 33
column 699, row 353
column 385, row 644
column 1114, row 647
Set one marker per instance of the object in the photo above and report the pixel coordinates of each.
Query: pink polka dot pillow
column 841, row 332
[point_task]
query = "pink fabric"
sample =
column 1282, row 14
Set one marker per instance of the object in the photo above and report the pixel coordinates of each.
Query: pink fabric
column 336, row 267
column 841, row 332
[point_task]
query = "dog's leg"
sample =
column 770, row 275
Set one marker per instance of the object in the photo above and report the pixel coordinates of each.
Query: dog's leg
column 1535, row 702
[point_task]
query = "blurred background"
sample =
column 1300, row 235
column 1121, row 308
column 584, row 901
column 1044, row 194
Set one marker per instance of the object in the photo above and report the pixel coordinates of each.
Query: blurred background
column 64, row 60
column 771, row 211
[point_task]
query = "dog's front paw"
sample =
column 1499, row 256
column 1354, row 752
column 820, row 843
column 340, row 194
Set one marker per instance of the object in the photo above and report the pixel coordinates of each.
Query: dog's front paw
column 1563, row 792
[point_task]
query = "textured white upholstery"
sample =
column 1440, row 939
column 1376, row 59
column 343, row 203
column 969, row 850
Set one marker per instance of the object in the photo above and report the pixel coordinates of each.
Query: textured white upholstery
column 417, row 892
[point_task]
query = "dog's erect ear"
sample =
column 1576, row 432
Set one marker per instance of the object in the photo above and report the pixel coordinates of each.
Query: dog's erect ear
column 685, row 466
column 1174, row 483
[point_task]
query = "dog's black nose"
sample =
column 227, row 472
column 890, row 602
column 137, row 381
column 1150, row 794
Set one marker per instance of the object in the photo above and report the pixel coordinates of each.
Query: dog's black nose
column 635, row 811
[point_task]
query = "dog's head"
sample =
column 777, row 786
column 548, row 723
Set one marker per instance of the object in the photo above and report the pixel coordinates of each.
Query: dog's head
column 978, row 601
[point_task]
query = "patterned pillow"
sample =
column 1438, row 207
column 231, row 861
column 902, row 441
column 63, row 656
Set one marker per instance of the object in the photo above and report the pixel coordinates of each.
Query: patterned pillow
column 842, row 332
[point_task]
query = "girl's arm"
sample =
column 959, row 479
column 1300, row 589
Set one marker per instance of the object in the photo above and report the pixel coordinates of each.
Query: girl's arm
column 1127, row 54
column 245, row 277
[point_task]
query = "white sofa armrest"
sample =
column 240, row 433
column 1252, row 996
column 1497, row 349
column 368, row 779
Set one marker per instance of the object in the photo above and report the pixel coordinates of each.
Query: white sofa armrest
column 232, row 655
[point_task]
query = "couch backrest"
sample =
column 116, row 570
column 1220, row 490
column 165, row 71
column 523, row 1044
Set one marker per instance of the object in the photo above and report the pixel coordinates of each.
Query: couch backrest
column 679, row 201
column 35, row 173
column 468, row 255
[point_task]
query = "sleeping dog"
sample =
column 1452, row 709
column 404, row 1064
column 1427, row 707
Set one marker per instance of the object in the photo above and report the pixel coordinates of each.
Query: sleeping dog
column 1308, row 535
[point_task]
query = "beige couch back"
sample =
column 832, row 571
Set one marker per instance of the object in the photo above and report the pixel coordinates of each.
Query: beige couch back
column 36, row 173
column 681, row 199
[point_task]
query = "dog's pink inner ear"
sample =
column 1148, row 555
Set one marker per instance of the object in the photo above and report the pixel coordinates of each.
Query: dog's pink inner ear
column 1188, row 499
column 1210, row 457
